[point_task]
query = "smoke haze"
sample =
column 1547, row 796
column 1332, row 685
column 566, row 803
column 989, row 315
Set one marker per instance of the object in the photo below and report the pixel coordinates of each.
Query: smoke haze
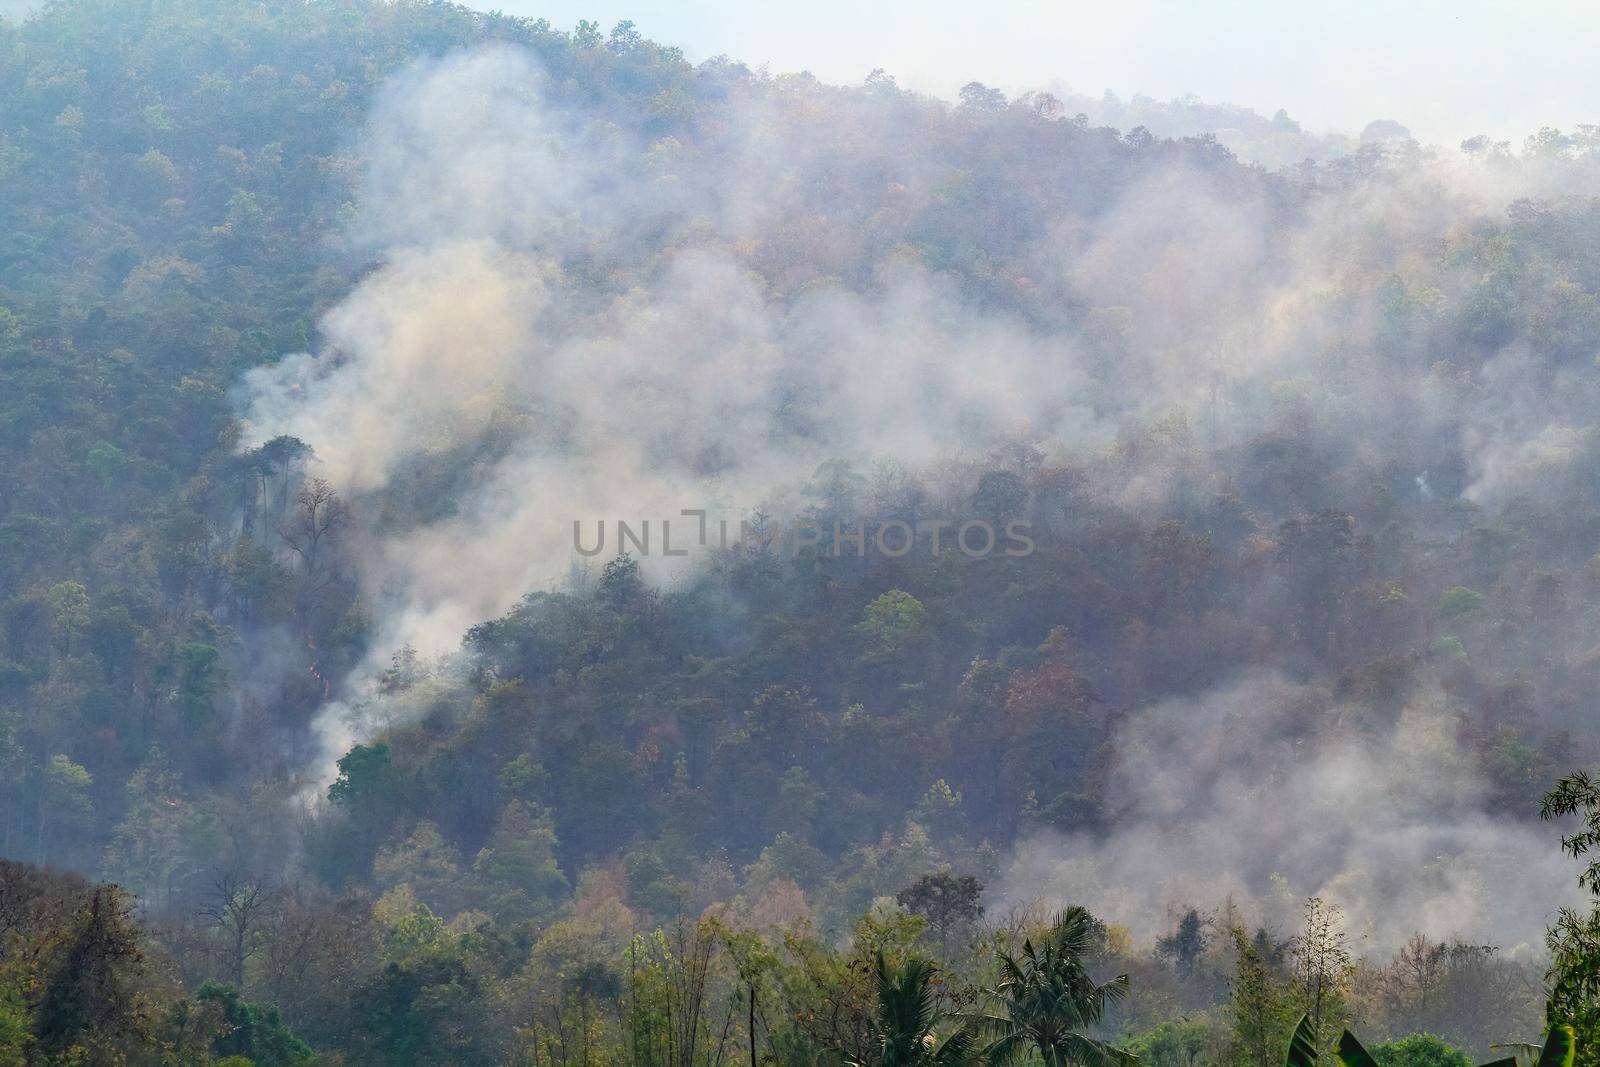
column 1267, row 792
column 600, row 322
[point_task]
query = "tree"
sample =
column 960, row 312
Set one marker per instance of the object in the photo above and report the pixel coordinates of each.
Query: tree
column 1322, row 964
column 416, row 1010
column 92, row 1002
column 976, row 96
column 518, row 868
column 1001, row 495
column 13, row 777
column 253, row 1031
column 784, row 723
column 1172, row 1044
column 69, row 612
column 904, row 1031
column 890, row 623
column 63, row 798
column 1417, row 969
column 1046, row 999
column 426, row 863
column 201, row 679
column 318, row 517
column 316, row 947
column 1419, row 1050
column 236, row 910
column 1185, row 945
column 1458, row 601
column 624, row 38
column 15, row 1023
column 622, row 586
column 945, row 900
column 366, row 782
column 282, row 458
column 146, row 850
column 1255, row 1002
column 1574, row 938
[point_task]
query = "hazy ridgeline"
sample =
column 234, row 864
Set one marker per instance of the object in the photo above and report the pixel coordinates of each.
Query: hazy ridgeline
column 320, row 326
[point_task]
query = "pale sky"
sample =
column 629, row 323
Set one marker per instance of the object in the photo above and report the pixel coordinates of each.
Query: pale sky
column 1446, row 70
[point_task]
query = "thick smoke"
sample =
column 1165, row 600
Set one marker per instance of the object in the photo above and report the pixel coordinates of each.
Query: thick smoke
column 568, row 320
column 1268, row 792
column 682, row 384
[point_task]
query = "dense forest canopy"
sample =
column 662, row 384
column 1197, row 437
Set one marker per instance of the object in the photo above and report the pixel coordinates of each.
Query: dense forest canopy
column 327, row 327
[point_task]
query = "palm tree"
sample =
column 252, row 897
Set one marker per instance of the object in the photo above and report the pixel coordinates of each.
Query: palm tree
column 1045, row 999
column 908, row 1014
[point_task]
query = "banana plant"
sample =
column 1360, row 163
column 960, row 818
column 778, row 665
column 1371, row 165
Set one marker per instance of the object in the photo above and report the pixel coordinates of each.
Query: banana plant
column 1302, row 1045
column 1560, row 1049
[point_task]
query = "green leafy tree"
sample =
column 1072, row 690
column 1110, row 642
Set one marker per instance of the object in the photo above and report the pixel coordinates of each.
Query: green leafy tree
column 1046, row 1000
column 908, row 1017
column 518, row 870
column 253, row 1031
column 365, row 777
column 1185, row 945
column 13, row 779
column 1458, row 601
column 1173, row 1043
column 426, row 863
column 202, row 678
column 890, row 623
column 1419, row 1050
column 947, row 901
column 1574, row 937
column 64, row 800
column 1256, row 999
column 147, row 849
column 69, row 612
column 93, row 1008
column 16, row 1024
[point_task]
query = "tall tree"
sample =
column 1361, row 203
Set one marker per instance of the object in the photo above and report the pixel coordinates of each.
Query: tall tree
column 906, row 1023
column 92, row 1009
column 1046, row 1000
column 1574, row 938
column 1185, row 944
column 947, row 901
column 236, row 910
column 1255, row 1001
column 1322, row 966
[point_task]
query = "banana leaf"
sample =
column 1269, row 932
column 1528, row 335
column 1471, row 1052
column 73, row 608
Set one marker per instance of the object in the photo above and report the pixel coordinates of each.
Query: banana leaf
column 1303, row 1045
column 1352, row 1053
column 1560, row 1048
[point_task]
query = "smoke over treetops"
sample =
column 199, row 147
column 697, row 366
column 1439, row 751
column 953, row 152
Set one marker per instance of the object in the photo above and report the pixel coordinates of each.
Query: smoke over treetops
column 570, row 316
column 349, row 712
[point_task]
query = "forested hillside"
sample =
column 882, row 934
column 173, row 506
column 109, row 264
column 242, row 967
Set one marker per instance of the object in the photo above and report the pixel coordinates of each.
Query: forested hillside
column 322, row 327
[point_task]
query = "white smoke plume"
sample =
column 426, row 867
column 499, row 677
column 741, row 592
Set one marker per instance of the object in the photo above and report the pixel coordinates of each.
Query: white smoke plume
column 667, row 373
column 684, row 384
column 1267, row 792
column 607, row 326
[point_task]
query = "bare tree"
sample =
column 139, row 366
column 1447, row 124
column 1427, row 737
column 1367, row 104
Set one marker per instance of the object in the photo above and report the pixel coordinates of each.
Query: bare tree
column 314, row 945
column 689, row 954
column 1417, row 971
column 318, row 517
column 236, row 910
column 1322, row 962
